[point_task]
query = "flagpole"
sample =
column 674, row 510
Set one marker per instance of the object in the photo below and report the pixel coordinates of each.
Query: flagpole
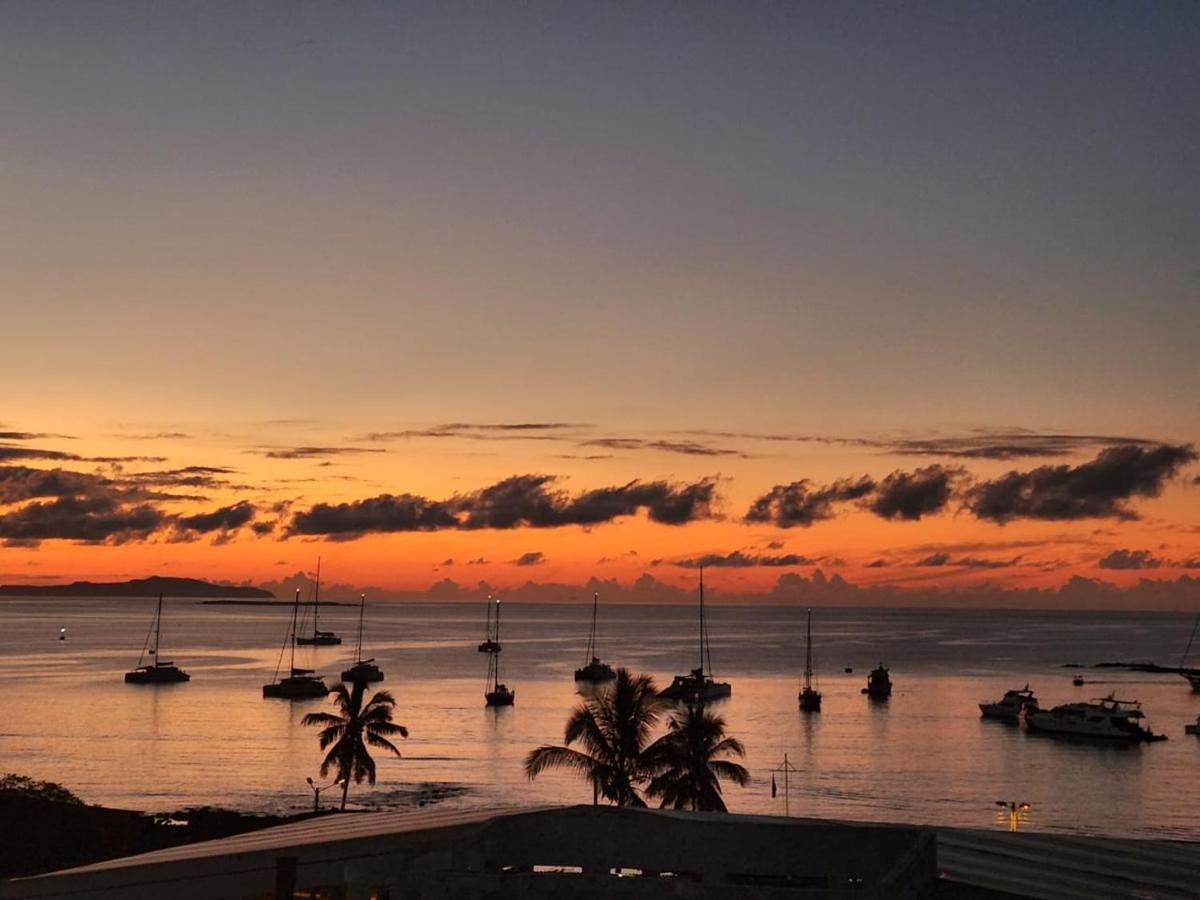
column 786, row 768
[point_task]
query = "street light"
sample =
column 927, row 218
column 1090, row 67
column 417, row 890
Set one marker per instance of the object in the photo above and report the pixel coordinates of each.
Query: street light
column 1014, row 810
column 317, row 788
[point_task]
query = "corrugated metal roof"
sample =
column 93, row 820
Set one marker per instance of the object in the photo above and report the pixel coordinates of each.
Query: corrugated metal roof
column 318, row 830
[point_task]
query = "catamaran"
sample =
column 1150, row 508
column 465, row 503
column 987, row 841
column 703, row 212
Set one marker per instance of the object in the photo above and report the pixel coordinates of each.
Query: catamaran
column 300, row 684
column 594, row 671
column 318, row 638
column 159, row 671
column 698, row 684
column 363, row 671
column 810, row 697
column 496, row 694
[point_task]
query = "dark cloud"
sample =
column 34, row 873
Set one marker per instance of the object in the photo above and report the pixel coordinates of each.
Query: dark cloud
column 313, row 452
column 934, row 559
column 478, row 561
column 520, row 501
column 1100, row 488
column 942, row 558
column 685, row 448
column 911, row 495
column 740, row 560
column 449, row 561
column 1130, row 559
column 89, row 519
column 13, row 452
column 262, row 529
column 155, row 436
column 878, row 564
column 533, row 558
column 226, row 518
column 33, row 436
column 497, row 431
column 801, row 503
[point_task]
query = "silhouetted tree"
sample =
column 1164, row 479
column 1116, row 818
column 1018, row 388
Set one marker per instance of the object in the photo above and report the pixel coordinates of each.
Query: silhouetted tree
column 613, row 728
column 689, row 761
column 351, row 732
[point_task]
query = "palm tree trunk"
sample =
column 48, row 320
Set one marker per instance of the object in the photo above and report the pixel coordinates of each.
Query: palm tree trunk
column 345, row 792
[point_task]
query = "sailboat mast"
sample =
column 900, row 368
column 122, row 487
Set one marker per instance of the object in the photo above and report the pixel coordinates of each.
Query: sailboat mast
column 317, row 597
column 157, row 629
column 295, row 613
column 362, row 605
column 702, row 618
column 808, row 655
column 497, row 620
column 591, row 651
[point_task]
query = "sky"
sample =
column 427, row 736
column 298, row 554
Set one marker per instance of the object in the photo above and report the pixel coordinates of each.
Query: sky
column 866, row 303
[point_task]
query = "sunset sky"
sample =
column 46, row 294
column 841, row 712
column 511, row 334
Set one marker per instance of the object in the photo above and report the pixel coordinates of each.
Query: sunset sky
column 907, row 295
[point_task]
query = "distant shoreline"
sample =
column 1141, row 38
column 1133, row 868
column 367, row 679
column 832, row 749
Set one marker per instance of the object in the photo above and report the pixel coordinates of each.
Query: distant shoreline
column 227, row 602
column 153, row 586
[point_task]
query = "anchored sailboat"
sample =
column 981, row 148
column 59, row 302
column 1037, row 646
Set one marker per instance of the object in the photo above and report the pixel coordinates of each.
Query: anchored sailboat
column 594, row 670
column 698, row 684
column 496, row 694
column 491, row 644
column 159, row 671
column 319, row 638
column 810, row 697
column 300, row 684
column 1192, row 675
column 364, row 671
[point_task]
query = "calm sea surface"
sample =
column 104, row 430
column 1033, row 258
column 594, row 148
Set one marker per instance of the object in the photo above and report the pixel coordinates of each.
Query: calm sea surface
column 925, row 757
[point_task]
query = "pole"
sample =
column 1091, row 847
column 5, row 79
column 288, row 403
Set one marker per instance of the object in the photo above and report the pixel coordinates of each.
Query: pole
column 157, row 628
column 786, row 768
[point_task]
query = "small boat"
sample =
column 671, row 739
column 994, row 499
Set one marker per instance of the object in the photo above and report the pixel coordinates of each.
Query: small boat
column 491, row 644
column 698, row 685
column 810, row 697
column 364, row 671
column 879, row 685
column 496, row 694
column 1011, row 706
column 62, row 634
column 1107, row 718
column 318, row 638
column 594, row 671
column 160, row 671
column 1192, row 729
column 1077, row 681
column 299, row 684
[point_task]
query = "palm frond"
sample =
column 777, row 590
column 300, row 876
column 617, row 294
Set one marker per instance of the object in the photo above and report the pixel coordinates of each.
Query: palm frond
column 548, row 757
column 375, row 740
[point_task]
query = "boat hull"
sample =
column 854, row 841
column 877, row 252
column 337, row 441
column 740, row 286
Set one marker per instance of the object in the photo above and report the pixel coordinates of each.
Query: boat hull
column 296, row 689
column 1044, row 723
column 490, row 647
column 364, row 673
column 688, row 689
column 321, row 640
column 500, row 698
column 810, row 701
column 595, row 672
column 157, row 675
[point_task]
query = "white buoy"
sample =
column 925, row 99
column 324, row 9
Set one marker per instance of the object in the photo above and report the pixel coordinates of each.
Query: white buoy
column 62, row 634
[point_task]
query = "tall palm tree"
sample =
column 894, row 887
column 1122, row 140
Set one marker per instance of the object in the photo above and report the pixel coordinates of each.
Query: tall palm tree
column 691, row 759
column 353, row 731
column 613, row 728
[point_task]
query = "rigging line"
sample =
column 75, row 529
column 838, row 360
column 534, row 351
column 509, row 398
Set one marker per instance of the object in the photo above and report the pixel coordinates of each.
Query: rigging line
column 145, row 644
column 1188, row 648
column 283, row 646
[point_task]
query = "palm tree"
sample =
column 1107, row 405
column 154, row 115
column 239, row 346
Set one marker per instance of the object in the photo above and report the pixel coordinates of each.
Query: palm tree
column 690, row 760
column 351, row 732
column 613, row 728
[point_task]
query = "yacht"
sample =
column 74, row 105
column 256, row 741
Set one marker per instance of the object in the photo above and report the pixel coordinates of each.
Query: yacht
column 299, row 684
column 364, row 671
column 318, row 638
column 1106, row 717
column 496, row 694
column 879, row 685
column 158, row 671
column 594, row 671
column 698, row 685
column 1011, row 706
column 810, row 697
column 491, row 644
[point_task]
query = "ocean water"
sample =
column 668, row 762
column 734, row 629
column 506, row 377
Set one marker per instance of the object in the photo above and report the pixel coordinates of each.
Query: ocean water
column 924, row 757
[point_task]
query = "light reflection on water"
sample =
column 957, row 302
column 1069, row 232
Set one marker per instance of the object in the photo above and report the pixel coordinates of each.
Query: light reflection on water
column 926, row 756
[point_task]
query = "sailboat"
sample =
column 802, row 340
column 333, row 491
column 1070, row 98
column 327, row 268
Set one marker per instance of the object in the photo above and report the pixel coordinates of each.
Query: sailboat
column 159, row 671
column 810, row 697
column 491, row 644
column 319, row 638
column 698, row 685
column 496, row 694
column 594, row 671
column 1192, row 675
column 363, row 671
column 300, row 684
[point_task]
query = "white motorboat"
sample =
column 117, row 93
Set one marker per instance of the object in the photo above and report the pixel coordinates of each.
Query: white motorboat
column 1011, row 706
column 1106, row 718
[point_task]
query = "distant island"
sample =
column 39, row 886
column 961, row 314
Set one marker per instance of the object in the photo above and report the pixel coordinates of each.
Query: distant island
column 137, row 587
